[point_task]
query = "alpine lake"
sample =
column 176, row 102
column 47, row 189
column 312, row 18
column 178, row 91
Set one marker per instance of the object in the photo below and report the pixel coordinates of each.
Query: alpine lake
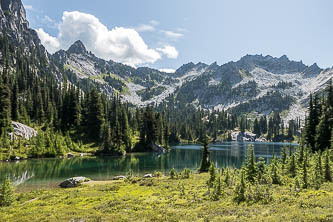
column 42, row 173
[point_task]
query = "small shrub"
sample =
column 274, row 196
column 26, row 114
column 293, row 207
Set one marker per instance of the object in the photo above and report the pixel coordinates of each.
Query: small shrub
column 240, row 189
column 129, row 174
column 276, row 179
column 181, row 189
column 157, row 174
column 173, row 174
column 212, row 174
column 227, row 177
column 186, row 173
column 258, row 193
column 217, row 191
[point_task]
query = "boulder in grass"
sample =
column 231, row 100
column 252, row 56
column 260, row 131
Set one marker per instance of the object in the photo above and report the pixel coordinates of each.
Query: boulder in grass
column 148, row 175
column 119, row 178
column 73, row 182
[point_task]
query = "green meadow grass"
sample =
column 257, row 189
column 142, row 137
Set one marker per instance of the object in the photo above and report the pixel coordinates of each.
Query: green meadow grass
column 165, row 199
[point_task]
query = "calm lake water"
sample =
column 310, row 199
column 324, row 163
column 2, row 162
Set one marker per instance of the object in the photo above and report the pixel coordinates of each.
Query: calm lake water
column 36, row 173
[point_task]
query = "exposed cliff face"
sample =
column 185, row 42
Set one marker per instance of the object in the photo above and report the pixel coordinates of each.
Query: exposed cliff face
column 23, row 131
column 23, row 40
column 13, row 22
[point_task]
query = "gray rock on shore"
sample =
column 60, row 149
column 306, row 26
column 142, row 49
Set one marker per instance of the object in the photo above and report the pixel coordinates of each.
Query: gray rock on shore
column 73, row 182
column 119, row 177
column 148, row 175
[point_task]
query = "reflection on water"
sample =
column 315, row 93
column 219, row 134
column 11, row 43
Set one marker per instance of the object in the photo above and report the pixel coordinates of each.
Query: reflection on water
column 48, row 172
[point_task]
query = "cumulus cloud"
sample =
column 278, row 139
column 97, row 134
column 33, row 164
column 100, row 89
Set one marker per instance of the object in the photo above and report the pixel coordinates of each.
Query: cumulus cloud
column 119, row 44
column 167, row 70
column 51, row 43
column 170, row 51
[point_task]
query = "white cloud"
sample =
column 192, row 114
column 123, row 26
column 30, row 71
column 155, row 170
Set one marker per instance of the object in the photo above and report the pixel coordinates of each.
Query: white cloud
column 119, row 44
column 170, row 51
column 167, row 70
column 145, row 28
column 173, row 35
column 51, row 43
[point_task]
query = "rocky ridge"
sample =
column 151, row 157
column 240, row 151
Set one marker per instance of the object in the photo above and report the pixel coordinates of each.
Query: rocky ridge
column 254, row 84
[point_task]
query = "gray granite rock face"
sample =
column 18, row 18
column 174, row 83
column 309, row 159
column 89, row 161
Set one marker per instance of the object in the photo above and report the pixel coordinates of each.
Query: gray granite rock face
column 24, row 131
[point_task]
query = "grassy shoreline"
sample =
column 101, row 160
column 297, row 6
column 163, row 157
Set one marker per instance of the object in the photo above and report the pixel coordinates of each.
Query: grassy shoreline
column 165, row 199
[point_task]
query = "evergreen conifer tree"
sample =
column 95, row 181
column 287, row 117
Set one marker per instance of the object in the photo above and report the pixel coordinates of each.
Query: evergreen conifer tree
column 205, row 161
column 305, row 173
column 250, row 166
column 212, row 175
column 323, row 132
column 328, row 173
column 6, row 193
column 5, row 107
column 310, row 128
column 292, row 166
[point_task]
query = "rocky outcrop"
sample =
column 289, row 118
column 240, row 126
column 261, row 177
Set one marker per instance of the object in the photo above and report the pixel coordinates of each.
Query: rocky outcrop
column 15, row 26
column 23, row 131
column 119, row 177
column 73, row 182
column 149, row 175
column 280, row 65
column 77, row 48
column 241, row 137
column 158, row 148
column 13, row 20
column 312, row 71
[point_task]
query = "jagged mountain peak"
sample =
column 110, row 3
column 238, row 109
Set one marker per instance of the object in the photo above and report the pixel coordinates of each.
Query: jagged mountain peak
column 312, row 70
column 77, row 48
column 272, row 64
column 284, row 58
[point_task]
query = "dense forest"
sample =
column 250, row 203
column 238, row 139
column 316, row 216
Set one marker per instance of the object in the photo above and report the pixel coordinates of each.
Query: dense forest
column 188, row 123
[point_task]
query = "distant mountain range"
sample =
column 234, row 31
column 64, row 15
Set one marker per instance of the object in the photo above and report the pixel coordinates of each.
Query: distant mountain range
column 255, row 84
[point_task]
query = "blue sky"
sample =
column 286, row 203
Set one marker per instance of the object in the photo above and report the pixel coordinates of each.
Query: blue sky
column 167, row 34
